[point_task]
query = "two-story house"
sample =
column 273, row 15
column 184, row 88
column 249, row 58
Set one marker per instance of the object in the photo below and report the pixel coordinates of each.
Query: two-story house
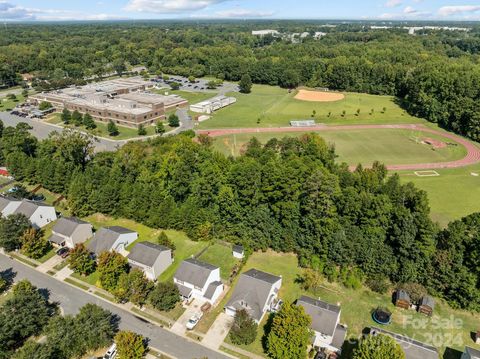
column 113, row 238
column 200, row 280
column 255, row 292
column 151, row 258
column 39, row 214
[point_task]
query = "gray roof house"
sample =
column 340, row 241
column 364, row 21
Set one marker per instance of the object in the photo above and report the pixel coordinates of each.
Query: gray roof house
column 471, row 353
column 255, row 292
column 196, row 279
column 69, row 231
column 329, row 333
column 413, row 349
column 113, row 238
column 151, row 258
column 39, row 214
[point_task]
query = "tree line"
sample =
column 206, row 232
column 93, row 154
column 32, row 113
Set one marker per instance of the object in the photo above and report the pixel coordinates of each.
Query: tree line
column 288, row 195
column 434, row 75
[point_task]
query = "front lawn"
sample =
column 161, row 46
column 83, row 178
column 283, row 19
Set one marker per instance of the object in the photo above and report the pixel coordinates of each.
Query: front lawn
column 8, row 105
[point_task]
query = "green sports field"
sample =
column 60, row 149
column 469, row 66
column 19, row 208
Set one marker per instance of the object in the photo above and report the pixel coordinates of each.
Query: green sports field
column 453, row 194
column 389, row 146
column 268, row 106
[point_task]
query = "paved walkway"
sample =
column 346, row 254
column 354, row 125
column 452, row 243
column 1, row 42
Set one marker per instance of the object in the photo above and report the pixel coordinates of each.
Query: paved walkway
column 50, row 264
column 472, row 157
column 218, row 331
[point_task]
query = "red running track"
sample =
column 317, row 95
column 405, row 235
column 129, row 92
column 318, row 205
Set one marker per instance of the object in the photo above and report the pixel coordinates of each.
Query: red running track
column 472, row 157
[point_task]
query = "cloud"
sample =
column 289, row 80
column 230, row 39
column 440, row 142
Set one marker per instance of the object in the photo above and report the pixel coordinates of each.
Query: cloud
column 169, row 6
column 458, row 10
column 410, row 10
column 243, row 13
column 9, row 11
column 12, row 12
column 393, row 3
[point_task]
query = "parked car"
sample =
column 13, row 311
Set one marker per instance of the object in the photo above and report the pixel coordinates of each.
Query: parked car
column 193, row 321
column 111, row 352
column 63, row 252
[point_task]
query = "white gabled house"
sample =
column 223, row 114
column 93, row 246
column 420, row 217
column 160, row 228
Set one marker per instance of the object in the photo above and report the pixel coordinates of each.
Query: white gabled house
column 256, row 292
column 69, row 231
column 151, row 258
column 39, row 214
column 200, row 280
column 328, row 332
column 113, row 238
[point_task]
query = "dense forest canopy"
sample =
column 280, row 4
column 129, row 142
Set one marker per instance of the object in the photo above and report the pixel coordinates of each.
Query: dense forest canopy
column 289, row 195
column 435, row 74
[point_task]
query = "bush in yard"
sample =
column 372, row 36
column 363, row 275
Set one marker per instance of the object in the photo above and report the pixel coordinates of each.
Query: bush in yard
column 164, row 296
column 163, row 240
column 290, row 335
column 112, row 129
column 77, row 118
column 142, row 131
column 378, row 284
column 88, row 122
column 66, row 116
column 111, row 265
column 34, row 244
column 44, row 105
column 173, row 120
column 245, row 84
column 80, row 260
column 160, row 128
column 378, row 347
column 130, row 345
column 415, row 291
column 244, row 328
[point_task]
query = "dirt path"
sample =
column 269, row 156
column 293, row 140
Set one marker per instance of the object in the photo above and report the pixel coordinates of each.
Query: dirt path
column 472, row 157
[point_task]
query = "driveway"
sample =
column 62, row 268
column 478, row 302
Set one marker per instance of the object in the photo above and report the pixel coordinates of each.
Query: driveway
column 179, row 326
column 218, row 331
column 71, row 299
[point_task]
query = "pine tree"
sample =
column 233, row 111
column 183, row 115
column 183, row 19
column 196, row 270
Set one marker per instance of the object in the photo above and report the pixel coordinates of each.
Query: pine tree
column 112, row 129
column 88, row 122
column 66, row 116
column 141, row 130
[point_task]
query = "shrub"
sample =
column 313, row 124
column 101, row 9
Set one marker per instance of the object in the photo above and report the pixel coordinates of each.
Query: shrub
column 244, row 328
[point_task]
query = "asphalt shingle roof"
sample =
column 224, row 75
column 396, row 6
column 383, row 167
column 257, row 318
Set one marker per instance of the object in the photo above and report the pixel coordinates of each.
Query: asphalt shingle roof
column 67, row 225
column 252, row 291
column 146, row 253
column 194, row 272
column 324, row 316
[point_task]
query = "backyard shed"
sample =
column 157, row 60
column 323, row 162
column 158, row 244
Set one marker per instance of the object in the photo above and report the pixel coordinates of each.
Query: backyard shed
column 427, row 304
column 402, row 299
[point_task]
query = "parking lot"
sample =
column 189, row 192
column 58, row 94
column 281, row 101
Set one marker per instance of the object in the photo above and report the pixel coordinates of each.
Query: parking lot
column 200, row 85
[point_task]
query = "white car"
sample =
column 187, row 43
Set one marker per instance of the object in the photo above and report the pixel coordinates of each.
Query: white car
column 193, row 321
column 111, row 352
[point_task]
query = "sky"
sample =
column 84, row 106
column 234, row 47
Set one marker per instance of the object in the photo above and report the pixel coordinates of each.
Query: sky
column 48, row 10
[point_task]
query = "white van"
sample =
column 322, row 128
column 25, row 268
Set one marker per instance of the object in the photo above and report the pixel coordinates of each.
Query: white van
column 111, row 352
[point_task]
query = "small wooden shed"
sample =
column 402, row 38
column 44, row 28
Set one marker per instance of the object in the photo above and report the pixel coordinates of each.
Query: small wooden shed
column 427, row 304
column 402, row 299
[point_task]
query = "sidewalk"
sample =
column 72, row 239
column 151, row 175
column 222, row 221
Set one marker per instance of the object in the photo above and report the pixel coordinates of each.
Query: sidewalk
column 50, row 264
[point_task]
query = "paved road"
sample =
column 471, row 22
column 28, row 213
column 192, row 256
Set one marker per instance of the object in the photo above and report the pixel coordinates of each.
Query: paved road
column 472, row 157
column 72, row 299
column 41, row 130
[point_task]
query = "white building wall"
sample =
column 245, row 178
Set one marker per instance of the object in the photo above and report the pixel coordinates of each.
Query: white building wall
column 199, row 293
column 10, row 208
column 163, row 261
column 124, row 240
column 43, row 216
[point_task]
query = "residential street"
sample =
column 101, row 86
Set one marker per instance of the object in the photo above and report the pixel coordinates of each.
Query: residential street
column 72, row 299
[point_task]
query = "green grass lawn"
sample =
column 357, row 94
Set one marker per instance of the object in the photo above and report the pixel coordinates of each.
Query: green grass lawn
column 8, row 105
column 389, row 146
column 452, row 195
column 185, row 247
column 92, row 279
column 220, row 255
column 277, row 107
column 454, row 330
